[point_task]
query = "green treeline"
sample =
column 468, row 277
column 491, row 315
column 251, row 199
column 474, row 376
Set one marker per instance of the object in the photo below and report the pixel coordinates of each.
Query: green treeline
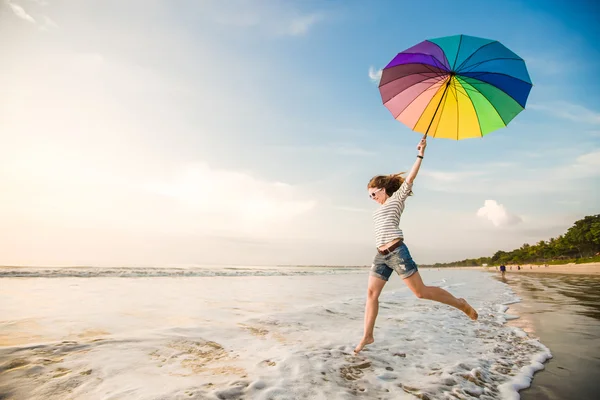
column 581, row 243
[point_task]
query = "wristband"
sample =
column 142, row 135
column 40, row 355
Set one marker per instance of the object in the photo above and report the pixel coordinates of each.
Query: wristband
column 421, row 157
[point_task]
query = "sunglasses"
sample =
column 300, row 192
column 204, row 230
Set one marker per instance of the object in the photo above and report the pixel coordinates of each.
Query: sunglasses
column 374, row 193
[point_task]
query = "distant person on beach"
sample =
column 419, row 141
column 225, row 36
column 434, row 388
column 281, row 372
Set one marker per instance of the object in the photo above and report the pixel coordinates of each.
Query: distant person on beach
column 503, row 269
column 391, row 191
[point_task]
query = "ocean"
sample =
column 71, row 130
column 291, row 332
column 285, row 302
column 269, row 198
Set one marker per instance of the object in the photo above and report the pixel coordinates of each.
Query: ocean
column 254, row 333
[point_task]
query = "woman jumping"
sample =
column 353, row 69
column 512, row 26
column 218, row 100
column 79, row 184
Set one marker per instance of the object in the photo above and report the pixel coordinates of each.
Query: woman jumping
column 392, row 254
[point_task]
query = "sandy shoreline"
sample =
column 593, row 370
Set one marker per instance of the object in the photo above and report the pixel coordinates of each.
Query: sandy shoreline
column 563, row 311
column 572, row 268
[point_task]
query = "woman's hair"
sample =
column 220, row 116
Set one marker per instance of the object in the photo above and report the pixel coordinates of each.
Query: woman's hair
column 390, row 183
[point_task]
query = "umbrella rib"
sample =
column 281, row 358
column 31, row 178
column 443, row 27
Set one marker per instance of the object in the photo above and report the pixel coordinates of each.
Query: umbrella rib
column 471, row 67
column 441, row 112
column 494, row 73
column 429, row 67
column 457, row 52
column 492, row 104
column 471, row 100
column 436, row 73
column 472, row 54
column 432, row 56
column 412, row 101
column 455, row 91
column 443, row 52
column 436, row 109
column 457, row 109
column 480, row 82
column 432, row 71
column 403, row 90
column 399, row 93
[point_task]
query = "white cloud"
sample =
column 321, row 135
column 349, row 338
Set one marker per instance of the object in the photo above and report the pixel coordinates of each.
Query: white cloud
column 548, row 64
column 497, row 214
column 569, row 111
column 375, row 74
column 244, row 20
column 231, row 199
column 48, row 23
column 341, row 149
column 354, row 209
column 273, row 17
column 448, row 177
column 527, row 177
column 586, row 165
column 20, row 12
column 55, row 185
column 352, row 151
column 300, row 25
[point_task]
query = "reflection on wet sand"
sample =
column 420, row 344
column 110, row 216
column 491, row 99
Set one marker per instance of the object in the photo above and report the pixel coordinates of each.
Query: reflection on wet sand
column 564, row 312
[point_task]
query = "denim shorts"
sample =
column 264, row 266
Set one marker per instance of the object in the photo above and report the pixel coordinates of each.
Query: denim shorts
column 398, row 260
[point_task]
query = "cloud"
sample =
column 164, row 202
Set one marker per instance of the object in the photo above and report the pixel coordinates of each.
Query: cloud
column 447, row 177
column 354, row 209
column 337, row 149
column 273, row 17
column 56, row 186
column 375, row 75
column 569, row 111
column 20, row 12
column 497, row 214
column 232, row 199
column 351, row 150
column 300, row 25
column 586, row 165
column 528, row 176
column 48, row 23
column 548, row 64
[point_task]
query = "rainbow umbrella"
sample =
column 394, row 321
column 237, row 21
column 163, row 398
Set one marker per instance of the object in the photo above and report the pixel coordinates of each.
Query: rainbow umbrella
column 455, row 87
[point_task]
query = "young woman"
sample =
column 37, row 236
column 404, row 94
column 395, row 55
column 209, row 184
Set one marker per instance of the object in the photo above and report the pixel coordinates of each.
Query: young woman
column 391, row 192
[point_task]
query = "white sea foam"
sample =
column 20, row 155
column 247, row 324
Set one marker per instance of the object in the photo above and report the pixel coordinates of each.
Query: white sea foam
column 154, row 272
column 522, row 380
column 257, row 337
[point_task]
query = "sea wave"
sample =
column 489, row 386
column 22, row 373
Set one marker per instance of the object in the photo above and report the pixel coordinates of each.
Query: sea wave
column 146, row 272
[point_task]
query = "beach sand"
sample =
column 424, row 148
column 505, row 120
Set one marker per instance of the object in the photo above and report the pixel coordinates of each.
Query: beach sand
column 571, row 268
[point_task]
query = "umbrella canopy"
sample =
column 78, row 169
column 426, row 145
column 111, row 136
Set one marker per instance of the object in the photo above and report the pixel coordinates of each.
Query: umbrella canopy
column 455, row 87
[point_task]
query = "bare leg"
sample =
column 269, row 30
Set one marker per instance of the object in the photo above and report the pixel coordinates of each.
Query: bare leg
column 415, row 283
column 371, row 310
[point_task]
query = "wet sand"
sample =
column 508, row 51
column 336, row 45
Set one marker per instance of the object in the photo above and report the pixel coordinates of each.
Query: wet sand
column 564, row 312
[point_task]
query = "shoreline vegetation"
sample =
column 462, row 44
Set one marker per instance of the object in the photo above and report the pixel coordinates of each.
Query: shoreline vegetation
column 579, row 245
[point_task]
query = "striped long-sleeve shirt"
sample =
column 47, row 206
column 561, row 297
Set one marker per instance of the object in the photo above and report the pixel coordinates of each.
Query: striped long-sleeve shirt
column 387, row 216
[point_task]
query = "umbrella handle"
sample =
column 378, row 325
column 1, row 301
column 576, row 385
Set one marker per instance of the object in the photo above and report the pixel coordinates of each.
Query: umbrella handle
column 438, row 106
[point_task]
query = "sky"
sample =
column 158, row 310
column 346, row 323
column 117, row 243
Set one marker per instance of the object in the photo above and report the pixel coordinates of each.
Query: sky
column 245, row 132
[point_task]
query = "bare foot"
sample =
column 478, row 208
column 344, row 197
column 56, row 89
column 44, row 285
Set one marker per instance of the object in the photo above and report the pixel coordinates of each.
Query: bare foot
column 363, row 343
column 467, row 309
